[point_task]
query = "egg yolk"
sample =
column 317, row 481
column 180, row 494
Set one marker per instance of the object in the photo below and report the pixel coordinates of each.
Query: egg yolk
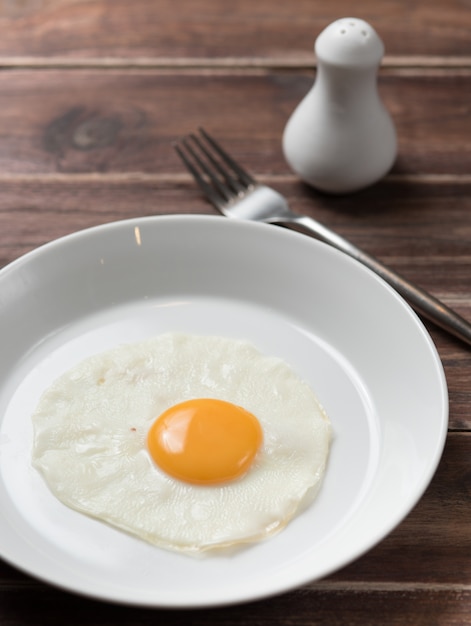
column 205, row 441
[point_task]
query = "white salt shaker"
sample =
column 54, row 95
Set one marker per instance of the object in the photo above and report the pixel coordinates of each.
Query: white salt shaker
column 341, row 138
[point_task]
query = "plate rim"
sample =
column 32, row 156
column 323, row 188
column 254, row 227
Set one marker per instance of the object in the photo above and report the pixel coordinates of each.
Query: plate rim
column 184, row 218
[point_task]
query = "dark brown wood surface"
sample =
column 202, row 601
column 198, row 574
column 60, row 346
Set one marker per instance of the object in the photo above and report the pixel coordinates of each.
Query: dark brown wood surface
column 92, row 94
column 155, row 31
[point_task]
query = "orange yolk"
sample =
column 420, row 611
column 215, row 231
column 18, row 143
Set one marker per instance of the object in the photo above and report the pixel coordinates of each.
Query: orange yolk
column 205, row 441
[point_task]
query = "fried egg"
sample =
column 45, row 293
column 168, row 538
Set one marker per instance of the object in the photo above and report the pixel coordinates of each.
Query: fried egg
column 191, row 443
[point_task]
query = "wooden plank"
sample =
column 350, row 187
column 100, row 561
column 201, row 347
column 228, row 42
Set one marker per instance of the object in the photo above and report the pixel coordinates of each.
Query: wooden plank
column 81, row 147
column 399, row 607
column 65, row 29
column 125, row 121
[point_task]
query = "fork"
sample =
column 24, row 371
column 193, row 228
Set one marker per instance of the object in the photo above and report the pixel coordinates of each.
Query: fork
column 236, row 194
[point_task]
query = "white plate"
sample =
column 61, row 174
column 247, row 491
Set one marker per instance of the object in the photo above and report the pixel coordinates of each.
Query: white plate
column 362, row 349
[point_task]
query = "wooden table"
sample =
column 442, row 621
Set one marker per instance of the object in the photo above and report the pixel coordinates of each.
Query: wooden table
column 92, row 93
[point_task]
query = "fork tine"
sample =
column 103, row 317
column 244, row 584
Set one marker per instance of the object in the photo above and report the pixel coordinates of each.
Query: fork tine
column 220, row 178
column 224, row 190
column 244, row 176
column 231, row 181
column 213, row 196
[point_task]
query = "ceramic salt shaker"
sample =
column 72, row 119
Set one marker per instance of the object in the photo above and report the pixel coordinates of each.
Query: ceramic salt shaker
column 341, row 138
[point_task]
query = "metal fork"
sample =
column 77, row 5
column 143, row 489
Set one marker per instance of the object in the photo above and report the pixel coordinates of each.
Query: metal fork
column 236, row 194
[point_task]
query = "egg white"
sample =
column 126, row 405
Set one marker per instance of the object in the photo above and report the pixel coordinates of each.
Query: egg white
column 90, row 430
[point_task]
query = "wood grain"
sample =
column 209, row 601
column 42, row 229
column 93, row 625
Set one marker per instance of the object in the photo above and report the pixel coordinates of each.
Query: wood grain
column 92, row 95
column 336, row 607
column 277, row 32
column 125, row 121
column 439, row 606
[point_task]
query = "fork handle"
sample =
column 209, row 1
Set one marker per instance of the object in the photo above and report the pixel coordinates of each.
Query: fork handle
column 421, row 301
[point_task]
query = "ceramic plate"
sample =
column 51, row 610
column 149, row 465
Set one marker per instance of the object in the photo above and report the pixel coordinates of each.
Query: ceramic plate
column 361, row 348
